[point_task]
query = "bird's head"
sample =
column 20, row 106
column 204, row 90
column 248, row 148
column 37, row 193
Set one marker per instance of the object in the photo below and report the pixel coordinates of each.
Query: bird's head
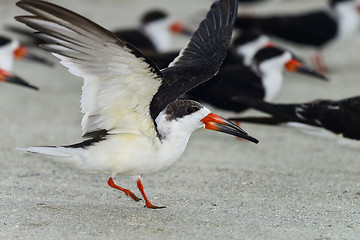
column 276, row 59
column 156, row 18
column 185, row 116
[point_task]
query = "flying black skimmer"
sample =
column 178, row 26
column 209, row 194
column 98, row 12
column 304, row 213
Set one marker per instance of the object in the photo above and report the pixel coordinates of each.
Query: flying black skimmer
column 340, row 117
column 317, row 28
column 11, row 49
column 155, row 32
column 133, row 120
column 6, row 76
column 264, row 80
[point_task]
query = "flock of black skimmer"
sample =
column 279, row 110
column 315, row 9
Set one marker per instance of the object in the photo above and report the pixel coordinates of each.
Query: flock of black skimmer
column 141, row 100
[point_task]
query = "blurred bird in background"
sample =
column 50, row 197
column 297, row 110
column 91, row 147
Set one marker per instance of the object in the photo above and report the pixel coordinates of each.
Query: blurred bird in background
column 245, row 45
column 338, row 116
column 6, row 76
column 318, row 28
column 10, row 49
column 155, row 32
column 263, row 80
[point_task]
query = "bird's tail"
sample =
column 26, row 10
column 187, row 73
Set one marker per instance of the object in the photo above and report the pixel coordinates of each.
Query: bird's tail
column 281, row 110
column 51, row 151
column 280, row 113
column 73, row 157
column 260, row 120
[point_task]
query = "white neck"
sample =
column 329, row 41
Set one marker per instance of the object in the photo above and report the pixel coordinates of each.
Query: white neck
column 7, row 55
column 248, row 50
column 175, row 134
column 272, row 82
column 160, row 35
column 272, row 75
column 348, row 19
column 173, row 141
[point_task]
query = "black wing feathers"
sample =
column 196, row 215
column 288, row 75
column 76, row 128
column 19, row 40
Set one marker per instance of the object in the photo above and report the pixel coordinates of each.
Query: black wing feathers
column 201, row 58
column 340, row 117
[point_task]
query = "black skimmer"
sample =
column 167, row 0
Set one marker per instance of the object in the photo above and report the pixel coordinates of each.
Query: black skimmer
column 317, row 28
column 340, row 117
column 155, row 32
column 6, row 76
column 133, row 120
column 11, row 49
column 263, row 81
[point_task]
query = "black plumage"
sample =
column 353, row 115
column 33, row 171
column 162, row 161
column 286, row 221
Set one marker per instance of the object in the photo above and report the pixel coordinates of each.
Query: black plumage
column 206, row 50
column 315, row 29
column 4, row 40
column 239, row 80
column 338, row 116
column 232, row 80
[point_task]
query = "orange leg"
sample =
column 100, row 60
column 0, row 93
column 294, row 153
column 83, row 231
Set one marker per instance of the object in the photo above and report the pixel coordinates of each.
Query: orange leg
column 147, row 202
column 126, row 191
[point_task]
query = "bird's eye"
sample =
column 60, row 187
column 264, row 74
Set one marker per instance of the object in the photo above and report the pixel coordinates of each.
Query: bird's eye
column 192, row 109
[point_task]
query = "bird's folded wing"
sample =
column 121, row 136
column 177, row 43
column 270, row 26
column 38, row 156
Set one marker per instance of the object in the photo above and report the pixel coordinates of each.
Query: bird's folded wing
column 201, row 58
column 119, row 82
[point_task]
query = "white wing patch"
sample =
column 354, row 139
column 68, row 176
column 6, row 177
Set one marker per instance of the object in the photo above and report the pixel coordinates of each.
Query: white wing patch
column 119, row 83
column 117, row 91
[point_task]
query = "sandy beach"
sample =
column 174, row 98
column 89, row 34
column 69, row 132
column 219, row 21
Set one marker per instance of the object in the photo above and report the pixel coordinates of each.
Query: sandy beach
column 291, row 185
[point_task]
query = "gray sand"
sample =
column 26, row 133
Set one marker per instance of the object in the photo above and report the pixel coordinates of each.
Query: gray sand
column 290, row 186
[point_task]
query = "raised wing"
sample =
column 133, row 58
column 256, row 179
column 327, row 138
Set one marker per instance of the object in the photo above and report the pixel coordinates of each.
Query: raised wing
column 201, row 58
column 119, row 82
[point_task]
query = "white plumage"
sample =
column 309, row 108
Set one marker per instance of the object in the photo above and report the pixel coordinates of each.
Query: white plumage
column 7, row 55
column 120, row 84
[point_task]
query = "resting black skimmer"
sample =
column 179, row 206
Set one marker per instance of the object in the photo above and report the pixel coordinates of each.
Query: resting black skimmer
column 263, row 81
column 317, row 28
column 11, row 49
column 154, row 33
column 6, row 76
column 340, row 117
column 133, row 120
